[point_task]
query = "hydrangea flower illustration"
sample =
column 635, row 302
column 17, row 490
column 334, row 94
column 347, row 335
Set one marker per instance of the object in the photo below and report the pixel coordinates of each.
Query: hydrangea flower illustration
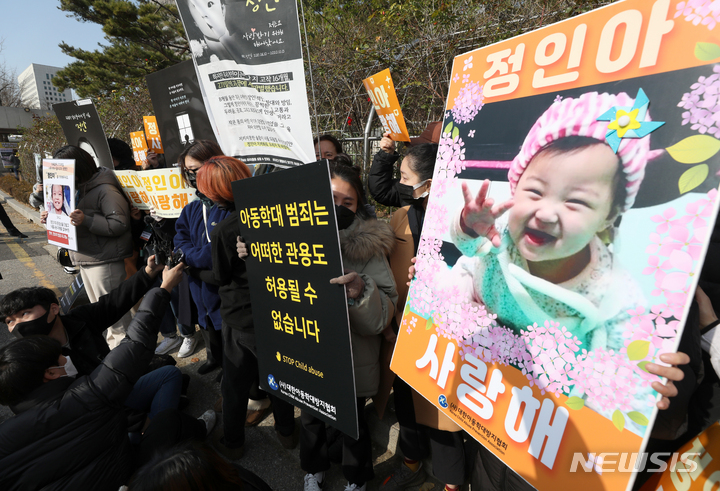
column 471, row 134
column 468, row 63
column 451, row 156
column 664, row 220
column 703, row 12
column 456, row 77
column 468, row 102
column 553, row 350
column 702, row 105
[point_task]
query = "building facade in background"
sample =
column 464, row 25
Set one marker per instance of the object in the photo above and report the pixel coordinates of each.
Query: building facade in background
column 37, row 89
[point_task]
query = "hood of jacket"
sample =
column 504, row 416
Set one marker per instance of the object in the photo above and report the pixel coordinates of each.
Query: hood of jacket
column 364, row 239
column 102, row 176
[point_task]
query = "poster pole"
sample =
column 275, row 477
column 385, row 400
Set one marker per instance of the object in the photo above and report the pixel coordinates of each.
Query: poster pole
column 366, row 139
column 312, row 83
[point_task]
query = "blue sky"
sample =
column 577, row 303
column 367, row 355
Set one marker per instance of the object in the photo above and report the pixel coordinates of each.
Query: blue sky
column 32, row 30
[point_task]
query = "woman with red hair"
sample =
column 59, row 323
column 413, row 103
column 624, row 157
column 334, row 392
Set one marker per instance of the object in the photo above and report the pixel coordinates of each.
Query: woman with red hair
column 240, row 381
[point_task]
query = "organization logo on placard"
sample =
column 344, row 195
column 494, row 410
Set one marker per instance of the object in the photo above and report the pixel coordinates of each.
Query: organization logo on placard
column 442, row 400
column 271, row 382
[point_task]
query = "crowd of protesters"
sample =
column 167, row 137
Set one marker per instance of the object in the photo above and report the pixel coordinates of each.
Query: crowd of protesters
column 97, row 401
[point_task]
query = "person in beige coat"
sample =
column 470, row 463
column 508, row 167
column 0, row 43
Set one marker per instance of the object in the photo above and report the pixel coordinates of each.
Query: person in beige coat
column 102, row 222
column 365, row 244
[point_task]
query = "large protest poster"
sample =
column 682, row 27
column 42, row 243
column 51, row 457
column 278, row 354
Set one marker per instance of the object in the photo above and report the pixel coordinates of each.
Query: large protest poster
column 179, row 108
column 249, row 63
column 162, row 189
column 694, row 467
column 301, row 320
column 536, row 344
column 81, row 125
column 382, row 93
column 59, row 197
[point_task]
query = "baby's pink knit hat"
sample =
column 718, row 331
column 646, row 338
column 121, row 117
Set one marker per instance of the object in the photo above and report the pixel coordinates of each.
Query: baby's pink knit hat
column 578, row 117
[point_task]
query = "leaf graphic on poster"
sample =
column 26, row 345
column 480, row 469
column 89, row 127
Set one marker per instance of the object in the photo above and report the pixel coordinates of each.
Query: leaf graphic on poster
column 707, row 51
column 448, row 128
column 575, row 402
column 642, row 366
column 694, row 149
column 618, row 420
column 639, row 418
column 693, row 177
column 637, row 350
column 429, row 324
column 456, row 133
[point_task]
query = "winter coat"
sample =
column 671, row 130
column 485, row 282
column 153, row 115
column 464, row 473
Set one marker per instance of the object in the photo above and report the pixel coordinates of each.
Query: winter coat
column 104, row 235
column 72, row 434
column 84, row 325
column 365, row 245
column 230, row 272
column 380, row 180
column 193, row 238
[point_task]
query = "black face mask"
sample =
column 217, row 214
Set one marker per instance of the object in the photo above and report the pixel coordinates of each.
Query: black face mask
column 191, row 179
column 406, row 194
column 345, row 217
column 205, row 200
column 36, row 327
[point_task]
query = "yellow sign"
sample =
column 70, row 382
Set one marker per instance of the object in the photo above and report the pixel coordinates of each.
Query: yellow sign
column 139, row 146
column 153, row 134
column 381, row 90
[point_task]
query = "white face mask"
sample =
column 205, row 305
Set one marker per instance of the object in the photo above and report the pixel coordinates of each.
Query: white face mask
column 70, row 370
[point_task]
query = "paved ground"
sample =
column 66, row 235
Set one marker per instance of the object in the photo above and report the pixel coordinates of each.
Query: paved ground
column 31, row 261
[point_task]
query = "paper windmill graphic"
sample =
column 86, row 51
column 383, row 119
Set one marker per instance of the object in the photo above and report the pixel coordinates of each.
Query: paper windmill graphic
column 629, row 122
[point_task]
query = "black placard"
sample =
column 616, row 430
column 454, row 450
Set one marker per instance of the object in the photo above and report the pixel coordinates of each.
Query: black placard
column 81, row 125
column 288, row 220
column 179, row 108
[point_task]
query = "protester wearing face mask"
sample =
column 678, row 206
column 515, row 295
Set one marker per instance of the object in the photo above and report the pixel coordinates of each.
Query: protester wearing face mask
column 422, row 428
column 193, row 230
column 394, row 192
column 243, row 403
column 365, row 244
column 35, row 311
column 71, row 433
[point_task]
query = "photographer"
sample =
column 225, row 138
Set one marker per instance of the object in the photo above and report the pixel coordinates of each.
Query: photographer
column 161, row 243
column 70, row 433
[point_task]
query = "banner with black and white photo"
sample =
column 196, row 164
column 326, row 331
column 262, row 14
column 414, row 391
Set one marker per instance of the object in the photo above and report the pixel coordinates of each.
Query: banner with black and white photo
column 249, row 62
column 81, row 125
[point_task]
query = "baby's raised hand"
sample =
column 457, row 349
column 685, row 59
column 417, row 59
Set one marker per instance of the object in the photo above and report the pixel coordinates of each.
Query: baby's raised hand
column 480, row 212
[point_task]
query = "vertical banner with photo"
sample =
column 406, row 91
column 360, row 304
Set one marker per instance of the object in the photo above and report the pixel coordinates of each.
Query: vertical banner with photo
column 179, row 108
column 301, row 320
column 382, row 93
column 59, row 197
column 139, row 147
column 152, row 134
column 539, row 300
column 249, row 62
column 81, row 125
column 163, row 189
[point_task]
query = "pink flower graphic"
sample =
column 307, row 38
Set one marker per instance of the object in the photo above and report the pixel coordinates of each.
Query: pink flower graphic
column 680, row 239
column 702, row 105
column 704, row 12
column 468, row 102
column 664, row 220
column 678, row 280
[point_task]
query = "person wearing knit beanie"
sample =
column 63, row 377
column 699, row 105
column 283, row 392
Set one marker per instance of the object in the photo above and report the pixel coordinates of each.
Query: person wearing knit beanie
column 568, row 188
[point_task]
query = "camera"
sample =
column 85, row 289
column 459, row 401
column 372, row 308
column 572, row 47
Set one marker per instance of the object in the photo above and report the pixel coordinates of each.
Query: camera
column 177, row 257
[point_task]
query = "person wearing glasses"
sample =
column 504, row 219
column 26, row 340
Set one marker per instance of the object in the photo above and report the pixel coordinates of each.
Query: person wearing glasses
column 192, row 236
